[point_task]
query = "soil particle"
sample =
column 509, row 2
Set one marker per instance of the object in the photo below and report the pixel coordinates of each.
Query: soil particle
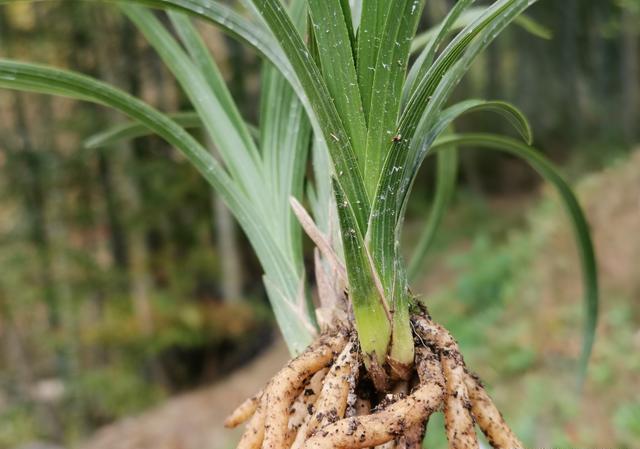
column 353, row 426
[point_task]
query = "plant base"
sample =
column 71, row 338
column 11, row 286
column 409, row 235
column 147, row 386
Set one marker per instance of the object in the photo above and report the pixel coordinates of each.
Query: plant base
column 325, row 399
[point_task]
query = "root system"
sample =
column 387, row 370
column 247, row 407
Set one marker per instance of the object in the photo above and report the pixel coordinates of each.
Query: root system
column 325, row 399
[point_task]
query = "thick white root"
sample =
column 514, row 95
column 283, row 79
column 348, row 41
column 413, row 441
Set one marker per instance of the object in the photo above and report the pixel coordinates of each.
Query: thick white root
column 482, row 407
column 254, row 433
column 243, row 412
column 458, row 421
column 289, row 382
column 390, row 423
column 332, row 404
column 489, row 418
column 304, row 405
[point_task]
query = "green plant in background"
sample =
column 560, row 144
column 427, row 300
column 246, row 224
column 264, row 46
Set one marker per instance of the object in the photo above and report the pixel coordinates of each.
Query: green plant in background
column 337, row 90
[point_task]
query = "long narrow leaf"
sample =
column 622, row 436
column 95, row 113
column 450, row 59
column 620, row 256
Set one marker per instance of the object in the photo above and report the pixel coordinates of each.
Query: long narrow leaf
column 348, row 17
column 285, row 139
column 431, row 40
column 236, row 147
column 390, row 69
column 290, row 156
column 435, row 122
column 525, row 22
column 427, row 136
column 320, row 192
column 492, row 21
column 254, row 34
column 204, row 61
column 421, row 112
column 374, row 16
column 447, row 169
column 370, row 312
column 338, row 67
column 533, row 27
column 134, row 130
column 332, row 130
column 578, row 220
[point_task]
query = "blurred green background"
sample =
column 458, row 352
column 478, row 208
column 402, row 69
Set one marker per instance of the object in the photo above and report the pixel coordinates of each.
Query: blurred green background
column 132, row 314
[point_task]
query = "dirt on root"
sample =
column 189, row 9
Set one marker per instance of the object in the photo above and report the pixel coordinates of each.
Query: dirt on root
column 193, row 420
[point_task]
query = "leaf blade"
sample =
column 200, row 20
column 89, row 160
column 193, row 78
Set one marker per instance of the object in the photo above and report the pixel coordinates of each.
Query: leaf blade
column 422, row 112
column 331, row 129
column 234, row 144
column 432, row 40
column 391, row 64
column 370, row 311
column 134, row 130
column 578, row 220
column 372, row 20
column 338, row 67
column 447, row 168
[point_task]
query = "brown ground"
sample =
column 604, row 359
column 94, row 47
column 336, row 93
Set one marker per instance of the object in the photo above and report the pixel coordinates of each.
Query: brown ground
column 193, row 420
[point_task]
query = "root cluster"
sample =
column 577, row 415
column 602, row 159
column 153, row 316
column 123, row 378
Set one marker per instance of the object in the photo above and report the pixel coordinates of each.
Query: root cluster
column 324, row 399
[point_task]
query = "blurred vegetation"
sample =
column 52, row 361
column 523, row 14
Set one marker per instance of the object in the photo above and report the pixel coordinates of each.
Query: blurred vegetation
column 123, row 280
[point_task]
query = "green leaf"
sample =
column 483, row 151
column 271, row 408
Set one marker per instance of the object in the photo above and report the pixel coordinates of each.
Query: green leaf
column 402, row 347
column 446, row 174
column 209, row 69
column 291, row 313
column 285, row 139
column 320, row 192
column 422, row 112
column 442, row 74
column 525, row 22
column 486, row 27
column 346, row 12
column 256, row 35
column 288, row 155
column 390, row 69
column 534, row 28
column 457, row 18
column 372, row 322
column 42, row 79
column 284, row 136
column 214, row 107
column 447, row 167
column 578, row 220
column 338, row 67
column 507, row 110
column 134, row 130
column 423, row 145
column 370, row 35
column 427, row 135
column 431, row 40
column 343, row 156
